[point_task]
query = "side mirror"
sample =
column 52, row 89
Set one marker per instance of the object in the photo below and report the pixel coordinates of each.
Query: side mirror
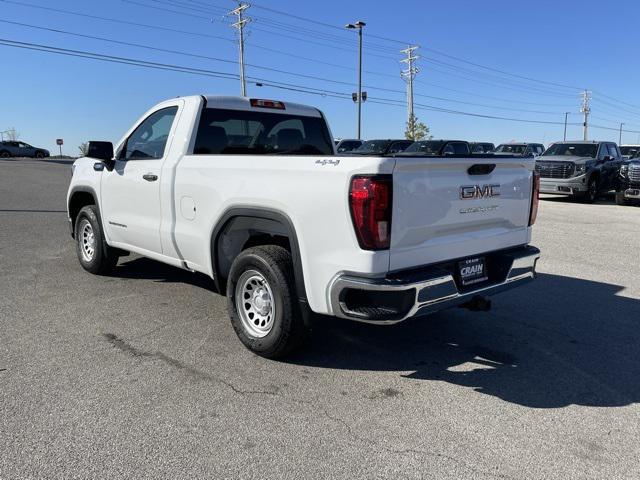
column 102, row 151
column 607, row 158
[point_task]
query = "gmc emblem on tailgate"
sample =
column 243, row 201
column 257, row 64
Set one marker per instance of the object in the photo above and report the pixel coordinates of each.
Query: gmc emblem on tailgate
column 471, row 192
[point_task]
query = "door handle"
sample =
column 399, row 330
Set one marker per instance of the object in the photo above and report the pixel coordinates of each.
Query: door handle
column 150, row 177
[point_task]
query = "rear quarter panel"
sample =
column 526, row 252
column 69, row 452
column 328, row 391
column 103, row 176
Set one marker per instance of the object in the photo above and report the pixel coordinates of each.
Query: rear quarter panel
column 311, row 193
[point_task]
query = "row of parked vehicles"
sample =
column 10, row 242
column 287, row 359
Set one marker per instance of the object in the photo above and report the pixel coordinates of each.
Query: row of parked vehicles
column 583, row 170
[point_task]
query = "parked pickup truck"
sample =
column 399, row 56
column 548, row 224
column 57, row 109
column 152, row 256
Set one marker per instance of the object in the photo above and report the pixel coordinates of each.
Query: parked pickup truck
column 251, row 193
column 579, row 169
column 628, row 188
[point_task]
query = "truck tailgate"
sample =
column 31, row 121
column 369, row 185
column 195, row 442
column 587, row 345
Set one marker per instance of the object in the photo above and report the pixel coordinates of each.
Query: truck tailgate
column 441, row 211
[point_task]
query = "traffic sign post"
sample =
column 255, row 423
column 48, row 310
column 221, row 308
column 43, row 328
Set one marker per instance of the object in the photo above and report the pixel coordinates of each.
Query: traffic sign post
column 60, row 142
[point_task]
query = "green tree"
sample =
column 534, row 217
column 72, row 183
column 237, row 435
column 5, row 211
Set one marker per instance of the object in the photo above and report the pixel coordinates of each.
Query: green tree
column 416, row 130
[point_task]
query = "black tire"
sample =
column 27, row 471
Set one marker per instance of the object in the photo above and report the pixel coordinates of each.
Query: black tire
column 620, row 200
column 591, row 195
column 5, row 154
column 286, row 327
column 39, row 154
column 100, row 259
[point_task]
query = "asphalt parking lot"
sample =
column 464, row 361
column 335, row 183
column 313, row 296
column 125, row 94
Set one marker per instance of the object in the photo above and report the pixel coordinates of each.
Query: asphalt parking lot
column 140, row 375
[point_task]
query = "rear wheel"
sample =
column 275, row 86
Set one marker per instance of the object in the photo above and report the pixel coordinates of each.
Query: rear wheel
column 262, row 302
column 4, row 154
column 94, row 254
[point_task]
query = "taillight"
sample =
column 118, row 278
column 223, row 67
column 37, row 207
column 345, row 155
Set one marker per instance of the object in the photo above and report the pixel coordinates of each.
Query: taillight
column 535, row 198
column 370, row 202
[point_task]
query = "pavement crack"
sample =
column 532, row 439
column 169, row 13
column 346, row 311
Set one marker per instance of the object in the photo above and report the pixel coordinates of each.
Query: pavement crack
column 414, row 450
column 192, row 372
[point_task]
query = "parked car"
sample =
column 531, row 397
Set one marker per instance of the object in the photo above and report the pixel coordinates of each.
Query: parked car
column 381, row 147
column 579, row 169
column 20, row 149
column 630, row 151
column 628, row 188
column 521, row 149
column 347, row 145
column 250, row 193
column 482, row 147
column 438, row 147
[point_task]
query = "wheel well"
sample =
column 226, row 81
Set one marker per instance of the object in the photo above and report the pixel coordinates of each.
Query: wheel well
column 77, row 201
column 238, row 233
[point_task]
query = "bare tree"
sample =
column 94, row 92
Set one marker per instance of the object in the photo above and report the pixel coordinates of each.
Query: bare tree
column 11, row 134
column 84, row 149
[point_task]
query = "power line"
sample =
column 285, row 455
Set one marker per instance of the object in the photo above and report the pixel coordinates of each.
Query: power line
column 266, row 29
column 276, row 70
column 280, row 52
column 257, row 81
column 501, row 71
column 117, row 20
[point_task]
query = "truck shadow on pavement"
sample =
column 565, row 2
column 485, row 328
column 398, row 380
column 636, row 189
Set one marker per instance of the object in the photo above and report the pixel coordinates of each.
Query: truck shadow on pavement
column 559, row 341
column 134, row 267
column 556, row 342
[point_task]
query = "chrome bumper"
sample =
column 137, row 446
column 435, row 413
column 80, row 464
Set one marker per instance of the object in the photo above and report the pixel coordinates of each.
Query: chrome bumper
column 632, row 193
column 559, row 186
column 432, row 292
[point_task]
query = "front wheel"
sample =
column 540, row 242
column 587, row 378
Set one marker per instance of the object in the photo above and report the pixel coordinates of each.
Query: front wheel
column 262, row 302
column 591, row 195
column 39, row 155
column 620, row 200
column 5, row 154
column 93, row 253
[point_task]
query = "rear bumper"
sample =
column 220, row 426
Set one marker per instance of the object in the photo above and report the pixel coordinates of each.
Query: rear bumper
column 561, row 186
column 427, row 290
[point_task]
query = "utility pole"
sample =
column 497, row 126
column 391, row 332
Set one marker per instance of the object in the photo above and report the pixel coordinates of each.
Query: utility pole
column 566, row 114
column 408, row 75
column 586, row 110
column 620, row 139
column 239, row 25
column 358, row 98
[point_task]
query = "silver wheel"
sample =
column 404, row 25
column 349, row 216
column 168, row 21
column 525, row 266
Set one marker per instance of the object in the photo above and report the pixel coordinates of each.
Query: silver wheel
column 255, row 303
column 87, row 240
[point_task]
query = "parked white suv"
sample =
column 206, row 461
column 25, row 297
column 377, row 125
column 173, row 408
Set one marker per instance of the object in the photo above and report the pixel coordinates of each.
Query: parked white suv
column 251, row 193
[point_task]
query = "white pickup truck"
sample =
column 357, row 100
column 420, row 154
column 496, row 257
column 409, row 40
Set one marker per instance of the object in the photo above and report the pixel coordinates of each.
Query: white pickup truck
column 251, row 193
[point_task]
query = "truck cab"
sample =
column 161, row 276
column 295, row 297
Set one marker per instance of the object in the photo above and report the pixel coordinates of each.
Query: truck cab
column 523, row 149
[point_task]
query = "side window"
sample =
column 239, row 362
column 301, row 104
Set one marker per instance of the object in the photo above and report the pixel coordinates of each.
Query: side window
column 149, row 140
column 460, row 148
column 448, row 149
column 603, row 151
column 397, row 147
column 613, row 151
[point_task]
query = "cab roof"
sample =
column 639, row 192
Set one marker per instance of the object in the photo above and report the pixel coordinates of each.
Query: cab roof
column 244, row 103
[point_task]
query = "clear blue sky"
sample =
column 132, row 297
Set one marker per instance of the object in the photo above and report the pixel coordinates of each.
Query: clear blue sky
column 580, row 44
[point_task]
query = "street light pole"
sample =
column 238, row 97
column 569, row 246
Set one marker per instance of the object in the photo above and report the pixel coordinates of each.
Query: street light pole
column 620, row 139
column 566, row 114
column 359, row 25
